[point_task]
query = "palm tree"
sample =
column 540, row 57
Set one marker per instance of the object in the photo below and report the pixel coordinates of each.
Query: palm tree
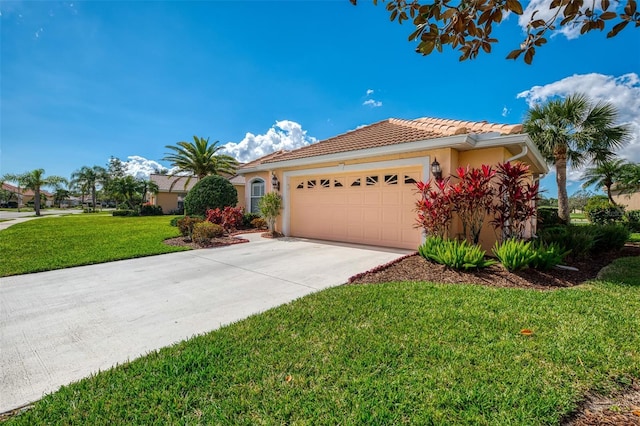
column 603, row 175
column 629, row 179
column 35, row 180
column 88, row 178
column 146, row 187
column 200, row 159
column 574, row 131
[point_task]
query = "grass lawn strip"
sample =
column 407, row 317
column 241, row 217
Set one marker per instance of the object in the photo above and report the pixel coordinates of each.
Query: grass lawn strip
column 415, row 352
column 60, row 242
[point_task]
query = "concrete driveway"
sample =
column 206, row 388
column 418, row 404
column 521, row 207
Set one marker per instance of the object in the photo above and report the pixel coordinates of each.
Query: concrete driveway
column 60, row 326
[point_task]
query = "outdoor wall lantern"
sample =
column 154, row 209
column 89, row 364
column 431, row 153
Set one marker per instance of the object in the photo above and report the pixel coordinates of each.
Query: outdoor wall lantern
column 275, row 183
column 436, row 170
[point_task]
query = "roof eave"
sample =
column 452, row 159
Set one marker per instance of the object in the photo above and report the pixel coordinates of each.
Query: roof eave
column 456, row 141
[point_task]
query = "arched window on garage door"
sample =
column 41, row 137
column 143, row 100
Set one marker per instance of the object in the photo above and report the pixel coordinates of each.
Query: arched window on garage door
column 257, row 192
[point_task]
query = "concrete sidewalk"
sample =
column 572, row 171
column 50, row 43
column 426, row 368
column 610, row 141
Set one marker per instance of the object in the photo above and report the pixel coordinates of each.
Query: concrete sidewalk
column 60, row 326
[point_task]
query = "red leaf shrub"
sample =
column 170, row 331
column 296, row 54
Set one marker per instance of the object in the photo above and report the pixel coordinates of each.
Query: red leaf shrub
column 230, row 218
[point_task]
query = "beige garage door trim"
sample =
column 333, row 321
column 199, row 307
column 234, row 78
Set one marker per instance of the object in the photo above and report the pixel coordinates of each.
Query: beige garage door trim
column 352, row 200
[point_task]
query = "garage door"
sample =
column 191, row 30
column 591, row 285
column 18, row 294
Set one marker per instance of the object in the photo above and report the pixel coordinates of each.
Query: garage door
column 375, row 208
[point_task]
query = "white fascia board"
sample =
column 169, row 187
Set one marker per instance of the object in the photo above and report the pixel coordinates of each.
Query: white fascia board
column 456, row 141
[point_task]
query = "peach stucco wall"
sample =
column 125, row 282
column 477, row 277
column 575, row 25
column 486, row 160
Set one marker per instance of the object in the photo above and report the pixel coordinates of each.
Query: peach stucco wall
column 448, row 158
column 629, row 201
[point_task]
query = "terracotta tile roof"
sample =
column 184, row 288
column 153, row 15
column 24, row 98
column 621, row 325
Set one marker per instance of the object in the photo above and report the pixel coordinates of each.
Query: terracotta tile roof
column 263, row 159
column 25, row 192
column 392, row 131
column 164, row 182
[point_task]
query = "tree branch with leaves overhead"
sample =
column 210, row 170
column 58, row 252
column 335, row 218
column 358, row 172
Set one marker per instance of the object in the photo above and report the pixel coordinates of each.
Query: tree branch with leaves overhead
column 468, row 25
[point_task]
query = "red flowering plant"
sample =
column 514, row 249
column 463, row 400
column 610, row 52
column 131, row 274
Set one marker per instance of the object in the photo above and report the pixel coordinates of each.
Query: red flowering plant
column 434, row 207
column 229, row 217
column 515, row 203
column 472, row 198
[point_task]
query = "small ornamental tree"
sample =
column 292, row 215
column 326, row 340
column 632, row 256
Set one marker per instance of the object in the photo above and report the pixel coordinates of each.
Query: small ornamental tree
column 269, row 206
column 515, row 203
column 210, row 193
column 471, row 199
column 434, row 207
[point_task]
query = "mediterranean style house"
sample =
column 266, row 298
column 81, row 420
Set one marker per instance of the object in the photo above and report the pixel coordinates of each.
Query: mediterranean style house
column 359, row 187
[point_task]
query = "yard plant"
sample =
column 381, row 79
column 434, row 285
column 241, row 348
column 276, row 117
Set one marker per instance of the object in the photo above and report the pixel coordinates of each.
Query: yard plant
column 395, row 353
column 60, row 242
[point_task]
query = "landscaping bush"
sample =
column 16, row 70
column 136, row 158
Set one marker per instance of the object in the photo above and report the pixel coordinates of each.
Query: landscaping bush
column 258, row 223
column 210, row 193
column 579, row 239
column 124, row 213
column 150, row 210
column 547, row 256
column 270, row 205
column 609, row 237
column 203, row 232
column 548, row 216
column 186, row 224
column 179, row 212
column 230, row 218
column 454, row 254
column 248, row 218
column 514, row 254
column 174, row 221
column 600, row 211
column 632, row 220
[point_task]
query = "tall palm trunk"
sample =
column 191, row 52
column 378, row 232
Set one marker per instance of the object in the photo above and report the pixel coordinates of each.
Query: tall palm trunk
column 561, row 180
column 36, row 200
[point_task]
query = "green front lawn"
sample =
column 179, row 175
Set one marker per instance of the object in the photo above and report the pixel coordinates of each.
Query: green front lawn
column 60, row 242
column 417, row 353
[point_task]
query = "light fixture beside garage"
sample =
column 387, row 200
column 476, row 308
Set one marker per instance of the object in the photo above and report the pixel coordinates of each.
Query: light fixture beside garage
column 436, row 170
column 275, row 183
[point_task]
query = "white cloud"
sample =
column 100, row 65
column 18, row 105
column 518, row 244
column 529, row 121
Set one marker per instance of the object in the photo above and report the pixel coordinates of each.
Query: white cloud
column 372, row 103
column 369, row 92
column 623, row 92
column 283, row 134
column 140, row 168
column 505, row 111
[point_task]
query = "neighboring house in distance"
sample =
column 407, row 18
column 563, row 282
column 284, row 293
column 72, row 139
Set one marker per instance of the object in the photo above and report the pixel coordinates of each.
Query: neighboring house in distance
column 171, row 191
column 172, row 198
column 23, row 197
column 629, row 201
column 359, row 187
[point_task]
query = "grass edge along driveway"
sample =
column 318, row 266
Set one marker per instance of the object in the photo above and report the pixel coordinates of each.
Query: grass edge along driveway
column 417, row 353
column 60, row 242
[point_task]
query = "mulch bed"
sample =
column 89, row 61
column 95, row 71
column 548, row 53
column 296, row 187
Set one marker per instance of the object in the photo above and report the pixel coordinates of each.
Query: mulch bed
column 215, row 242
column 416, row 268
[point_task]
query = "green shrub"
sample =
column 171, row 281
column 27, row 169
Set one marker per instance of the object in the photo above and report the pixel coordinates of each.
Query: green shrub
column 186, row 224
column 203, row 232
column 548, row 216
column 124, row 213
column 600, row 211
column 211, row 192
column 174, row 221
column 248, row 218
column 150, row 210
column 270, row 205
column 258, row 223
column 609, row 237
column 579, row 239
column 547, row 256
column 514, row 254
column 632, row 220
column 454, row 254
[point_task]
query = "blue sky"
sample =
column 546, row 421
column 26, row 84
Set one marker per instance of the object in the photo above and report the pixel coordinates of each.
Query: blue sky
column 83, row 81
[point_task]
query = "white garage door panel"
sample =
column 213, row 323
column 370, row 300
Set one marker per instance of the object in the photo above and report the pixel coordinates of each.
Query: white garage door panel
column 378, row 211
